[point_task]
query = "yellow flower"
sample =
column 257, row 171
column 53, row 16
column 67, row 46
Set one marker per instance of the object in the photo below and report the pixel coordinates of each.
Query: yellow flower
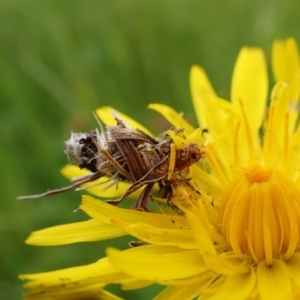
column 237, row 236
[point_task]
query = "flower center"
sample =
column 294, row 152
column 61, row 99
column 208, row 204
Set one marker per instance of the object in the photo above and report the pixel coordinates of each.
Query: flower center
column 261, row 214
column 257, row 174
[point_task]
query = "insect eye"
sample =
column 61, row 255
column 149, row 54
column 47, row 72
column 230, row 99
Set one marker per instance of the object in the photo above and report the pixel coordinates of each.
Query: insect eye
column 194, row 156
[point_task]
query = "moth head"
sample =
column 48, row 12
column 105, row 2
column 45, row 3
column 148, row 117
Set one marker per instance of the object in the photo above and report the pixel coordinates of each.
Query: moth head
column 81, row 150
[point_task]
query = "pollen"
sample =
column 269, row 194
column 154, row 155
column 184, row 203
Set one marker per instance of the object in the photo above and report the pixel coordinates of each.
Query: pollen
column 261, row 214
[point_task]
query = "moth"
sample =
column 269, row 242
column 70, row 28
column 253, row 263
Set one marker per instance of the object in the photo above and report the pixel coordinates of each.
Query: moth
column 127, row 154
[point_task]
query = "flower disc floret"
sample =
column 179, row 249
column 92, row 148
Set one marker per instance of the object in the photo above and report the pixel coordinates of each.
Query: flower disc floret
column 261, row 213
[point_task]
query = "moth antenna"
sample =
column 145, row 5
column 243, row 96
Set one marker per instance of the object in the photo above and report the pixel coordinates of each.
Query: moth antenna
column 64, row 189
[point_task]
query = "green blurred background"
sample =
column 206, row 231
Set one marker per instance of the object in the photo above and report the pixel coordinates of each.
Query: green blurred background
column 59, row 60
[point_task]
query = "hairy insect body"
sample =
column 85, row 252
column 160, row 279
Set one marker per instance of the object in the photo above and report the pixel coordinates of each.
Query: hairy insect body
column 123, row 153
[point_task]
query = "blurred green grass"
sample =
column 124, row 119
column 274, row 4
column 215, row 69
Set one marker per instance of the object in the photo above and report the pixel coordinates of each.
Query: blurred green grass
column 60, row 60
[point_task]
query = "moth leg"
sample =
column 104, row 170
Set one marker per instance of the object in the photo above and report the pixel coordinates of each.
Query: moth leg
column 165, row 190
column 143, row 199
column 115, row 202
column 132, row 189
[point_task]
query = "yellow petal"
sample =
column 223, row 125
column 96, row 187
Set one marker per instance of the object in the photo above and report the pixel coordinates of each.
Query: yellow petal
column 158, row 236
column 207, row 249
column 250, row 85
column 286, row 65
column 214, row 114
column 101, row 271
column 105, row 115
column 105, row 295
column 178, row 293
column 294, row 156
column 78, row 282
column 90, row 292
column 200, row 280
column 275, row 139
column 157, row 263
column 202, row 237
column 209, row 184
column 286, row 69
column 236, row 287
column 99, row 186
column 173, row 117
column 202, row 91
column 103, row 212
column 293, row 267
column 86, row 231
column 273, row 281
column 134, row 284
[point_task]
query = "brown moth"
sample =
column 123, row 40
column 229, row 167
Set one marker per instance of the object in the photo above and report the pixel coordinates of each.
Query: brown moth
column 126, row 154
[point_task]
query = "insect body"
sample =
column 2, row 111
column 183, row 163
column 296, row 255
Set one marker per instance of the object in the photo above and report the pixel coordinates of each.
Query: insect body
column 123, row 153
